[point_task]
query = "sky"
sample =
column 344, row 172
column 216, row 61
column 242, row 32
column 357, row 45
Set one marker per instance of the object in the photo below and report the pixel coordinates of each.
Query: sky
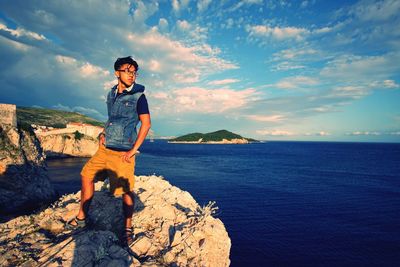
column 308, row 70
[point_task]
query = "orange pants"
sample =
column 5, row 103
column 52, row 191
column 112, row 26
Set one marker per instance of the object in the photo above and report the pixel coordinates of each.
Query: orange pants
column 108, row 163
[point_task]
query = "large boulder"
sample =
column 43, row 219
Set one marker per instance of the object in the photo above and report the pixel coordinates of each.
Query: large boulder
column 24, row 183
column 171, row 229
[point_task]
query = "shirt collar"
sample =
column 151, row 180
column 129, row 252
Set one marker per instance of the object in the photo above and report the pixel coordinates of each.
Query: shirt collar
column 126, row 89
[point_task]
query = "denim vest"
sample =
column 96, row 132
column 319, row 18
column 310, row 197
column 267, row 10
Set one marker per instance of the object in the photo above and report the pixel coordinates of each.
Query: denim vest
column 123, row 118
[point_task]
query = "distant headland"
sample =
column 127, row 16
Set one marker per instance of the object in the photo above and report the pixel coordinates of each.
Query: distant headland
column 218, row 137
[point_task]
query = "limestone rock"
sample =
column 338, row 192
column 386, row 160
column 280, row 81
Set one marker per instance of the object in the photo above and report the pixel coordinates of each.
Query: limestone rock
column 62, row 145
column 141, row 246
column 170, row 228
column 24, row 183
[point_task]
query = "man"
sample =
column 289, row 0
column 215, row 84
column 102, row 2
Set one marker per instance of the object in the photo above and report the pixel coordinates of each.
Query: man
column 118, row 144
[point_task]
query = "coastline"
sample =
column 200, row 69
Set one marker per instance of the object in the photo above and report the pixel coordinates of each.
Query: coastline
column 223, row 142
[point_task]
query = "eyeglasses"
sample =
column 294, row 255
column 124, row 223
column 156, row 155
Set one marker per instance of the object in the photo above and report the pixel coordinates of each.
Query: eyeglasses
column 127, row 71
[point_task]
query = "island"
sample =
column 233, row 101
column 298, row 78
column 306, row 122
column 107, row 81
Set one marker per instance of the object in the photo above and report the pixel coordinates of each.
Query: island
column 217, row 137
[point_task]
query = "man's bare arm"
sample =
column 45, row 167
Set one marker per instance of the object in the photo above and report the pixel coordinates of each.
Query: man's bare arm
column 143, row 131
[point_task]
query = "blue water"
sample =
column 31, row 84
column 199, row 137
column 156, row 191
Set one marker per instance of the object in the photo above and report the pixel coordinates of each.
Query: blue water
column 285, row 203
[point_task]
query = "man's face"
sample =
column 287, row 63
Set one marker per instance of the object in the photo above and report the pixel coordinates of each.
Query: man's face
column 126, row 74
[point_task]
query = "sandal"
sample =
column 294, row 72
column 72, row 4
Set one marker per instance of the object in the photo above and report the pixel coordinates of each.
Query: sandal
column 129, row 236
column 75, row 224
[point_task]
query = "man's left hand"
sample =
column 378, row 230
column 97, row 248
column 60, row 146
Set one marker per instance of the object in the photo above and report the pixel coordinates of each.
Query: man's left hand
column 126, row 157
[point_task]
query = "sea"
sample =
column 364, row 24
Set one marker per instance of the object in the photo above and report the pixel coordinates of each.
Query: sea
column 284, row 203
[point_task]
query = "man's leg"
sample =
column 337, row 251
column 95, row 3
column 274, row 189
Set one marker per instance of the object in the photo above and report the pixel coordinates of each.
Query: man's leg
column 87, row 192
column 122, row 182
column 127, row 206
column 95, row 167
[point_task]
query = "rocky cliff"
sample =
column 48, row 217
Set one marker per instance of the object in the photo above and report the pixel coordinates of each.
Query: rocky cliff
column 24, row 183
column 171, row 230
column 64, row 145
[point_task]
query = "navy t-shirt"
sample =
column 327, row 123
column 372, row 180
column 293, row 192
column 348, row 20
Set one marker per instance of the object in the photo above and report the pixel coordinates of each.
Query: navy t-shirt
column 142, row 105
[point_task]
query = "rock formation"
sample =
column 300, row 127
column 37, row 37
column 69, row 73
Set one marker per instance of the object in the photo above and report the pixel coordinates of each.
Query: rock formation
column 8, row 114
column 64, row 145
column 171, row 230
column 24, row 183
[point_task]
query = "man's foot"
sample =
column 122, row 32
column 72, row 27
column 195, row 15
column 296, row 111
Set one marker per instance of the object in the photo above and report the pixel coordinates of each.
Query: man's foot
column 129, row 237
column 75, row 224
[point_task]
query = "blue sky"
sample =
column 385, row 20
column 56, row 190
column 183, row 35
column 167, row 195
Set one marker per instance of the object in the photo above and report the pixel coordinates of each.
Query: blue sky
column 271, row 70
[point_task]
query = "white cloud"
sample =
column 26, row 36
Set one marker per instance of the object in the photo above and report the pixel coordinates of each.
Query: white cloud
column 258, row 2
column 390, row 84
column 202, row 5
column 278, row 33
column 294, row 53
column 143, row 11
column 163, row 24
column 20, row 32
column 267, row 132
column 179, row 5
column 304, row 4
column 223, row 82
column 376, row 10
column 245, row 3
column 229, row 23
column 85, row 69
column 296, row 82
column 264, row 118
column 65, row 60
column 14, row 44
column 266, row 33
column 159, row 95
column 364, row 133
column 183, row 25
column 88, row 70
column 286, row 65
column 191, row 33
column 323, row 30
column 322, row 133
column 201, row 100
column 186, row 63
column 349, row 92
column 362, row 69
column 109, row 84
column 155, row 65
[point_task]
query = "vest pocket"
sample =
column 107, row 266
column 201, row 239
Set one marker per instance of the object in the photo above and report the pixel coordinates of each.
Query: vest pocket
column 127, row 108
column 114, row 132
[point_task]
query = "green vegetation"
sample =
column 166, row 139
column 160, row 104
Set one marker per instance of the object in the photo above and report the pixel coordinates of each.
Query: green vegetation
column 66, row 136
column 26, row 127
column 7, row 148
column 53, row 118
column 78, row 135
column 213, row 136
column 3, row 139
column 189, row 137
